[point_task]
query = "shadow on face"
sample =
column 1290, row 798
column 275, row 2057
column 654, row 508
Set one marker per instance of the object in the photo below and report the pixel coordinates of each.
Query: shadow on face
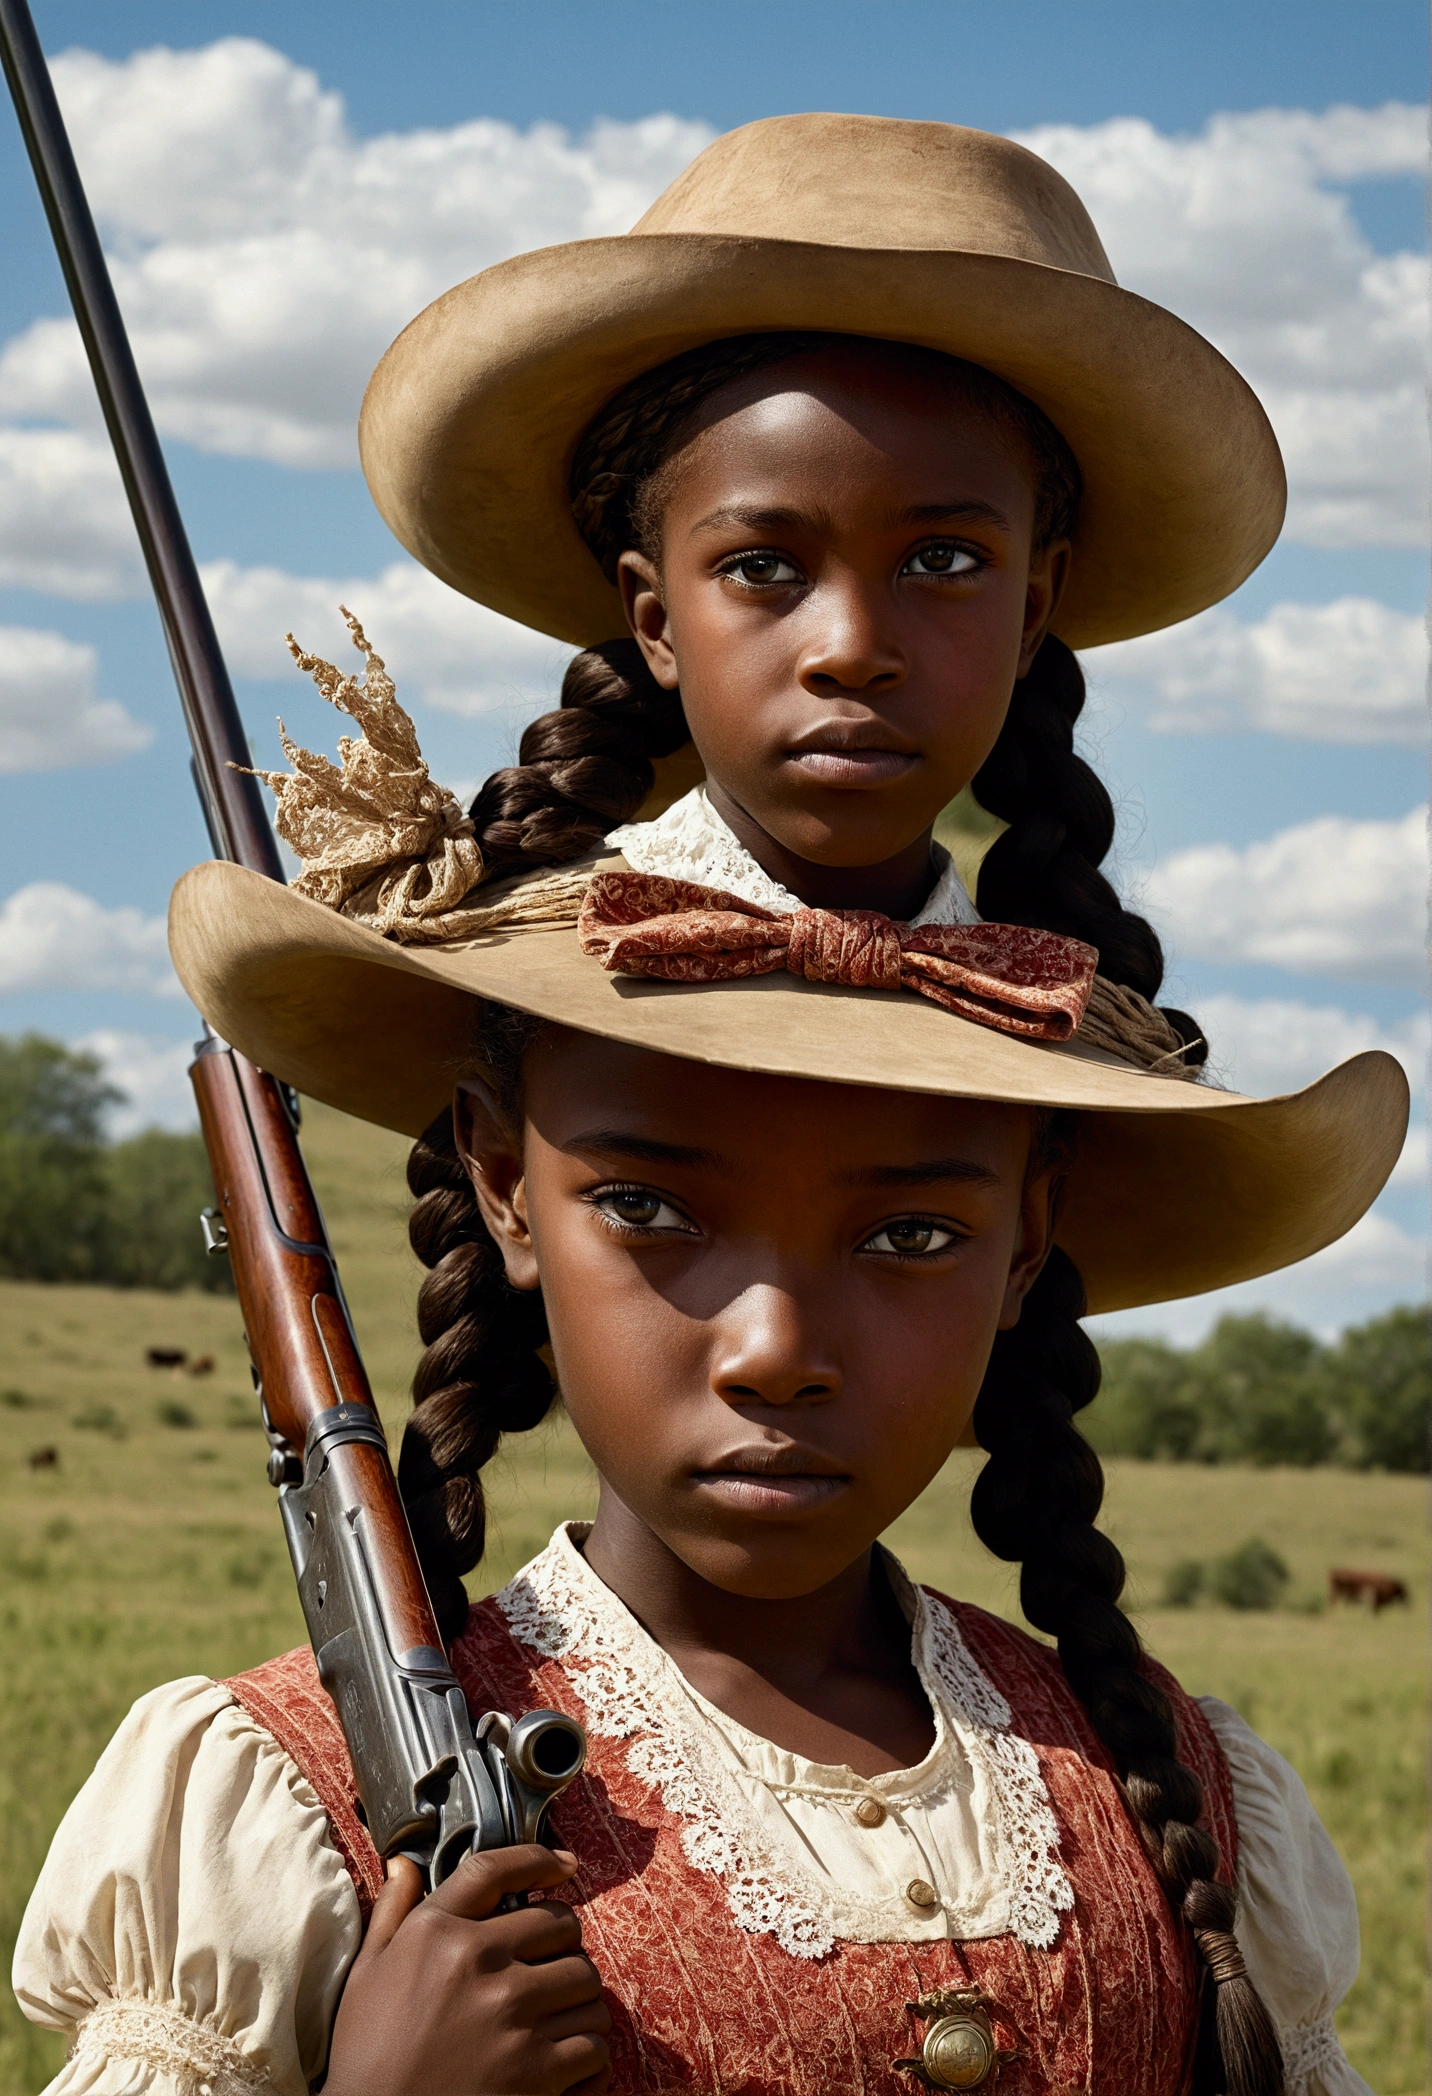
column 771, row 1301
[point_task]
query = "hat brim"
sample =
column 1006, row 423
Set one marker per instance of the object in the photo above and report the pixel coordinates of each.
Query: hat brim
column 1176, row 1187
column 471, row 419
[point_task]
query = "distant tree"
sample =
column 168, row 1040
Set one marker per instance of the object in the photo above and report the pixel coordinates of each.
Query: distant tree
column 74, row 1208
column 155, row 1186
column 1381, row 1381
column 1263, row 1394
column 1146, row 1405
column 52, row 1190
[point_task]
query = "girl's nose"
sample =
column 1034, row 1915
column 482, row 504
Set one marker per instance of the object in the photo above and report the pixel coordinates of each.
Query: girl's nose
column 853, row 648
column 771, row 1351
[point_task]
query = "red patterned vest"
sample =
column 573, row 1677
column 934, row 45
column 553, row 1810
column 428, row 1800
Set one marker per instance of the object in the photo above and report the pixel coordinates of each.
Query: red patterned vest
column 700, row 2003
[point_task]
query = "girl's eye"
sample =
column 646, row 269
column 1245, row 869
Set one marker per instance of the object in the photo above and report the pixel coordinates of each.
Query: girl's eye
column 941, row 558
column 639, row 1208
column 912, row 1237
column 761, row 570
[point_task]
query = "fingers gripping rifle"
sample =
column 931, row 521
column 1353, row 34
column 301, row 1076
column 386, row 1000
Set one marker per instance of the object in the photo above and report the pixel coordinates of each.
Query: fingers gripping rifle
column 430, row 1786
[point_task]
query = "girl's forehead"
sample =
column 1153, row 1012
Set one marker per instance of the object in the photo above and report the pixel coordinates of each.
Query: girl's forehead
column 577, row 1085
column 859, row 381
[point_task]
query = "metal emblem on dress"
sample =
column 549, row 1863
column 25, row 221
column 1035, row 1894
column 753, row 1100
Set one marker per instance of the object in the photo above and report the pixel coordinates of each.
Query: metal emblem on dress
column 959, row 2051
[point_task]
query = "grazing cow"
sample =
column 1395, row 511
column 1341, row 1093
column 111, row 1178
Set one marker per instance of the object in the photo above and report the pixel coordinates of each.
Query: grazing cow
column 166, row 1356
column 202, row 1364
column 1378, row 1589
column 44, row 1459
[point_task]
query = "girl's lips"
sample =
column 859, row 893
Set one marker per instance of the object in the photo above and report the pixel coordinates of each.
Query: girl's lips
column 770, row 1492
column 852, row 767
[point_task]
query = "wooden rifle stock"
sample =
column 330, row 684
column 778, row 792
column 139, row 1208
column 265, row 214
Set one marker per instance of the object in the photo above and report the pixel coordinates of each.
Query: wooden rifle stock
column 429, row 1785
column 306, row 1359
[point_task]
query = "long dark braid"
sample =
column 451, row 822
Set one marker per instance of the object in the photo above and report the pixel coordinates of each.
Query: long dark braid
column 480, row 1375
column 1035, row 1504
column 1044, row 870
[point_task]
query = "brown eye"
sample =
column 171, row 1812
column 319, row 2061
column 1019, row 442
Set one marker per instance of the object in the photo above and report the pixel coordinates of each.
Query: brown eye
column 911, row 1237
column 941, row 558
column 634, row 1207
column 760, row 570
column 639, row 1208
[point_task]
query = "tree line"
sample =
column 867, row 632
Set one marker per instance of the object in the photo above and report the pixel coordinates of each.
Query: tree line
column 77, row 1207
column 1259, row 1391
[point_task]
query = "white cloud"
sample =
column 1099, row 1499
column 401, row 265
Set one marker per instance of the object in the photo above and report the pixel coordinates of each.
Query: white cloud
column 1236, row 229
column 439, row 647
column 1350, row 671
column 54, row 938
column 265, row 259
column 152, row 1073
column 65, row 526
column 1330, row 897
column 1410, row 1169
column 1267, row 1045
column 1376, row 1265
column 49, row 715
column 1264, row 1046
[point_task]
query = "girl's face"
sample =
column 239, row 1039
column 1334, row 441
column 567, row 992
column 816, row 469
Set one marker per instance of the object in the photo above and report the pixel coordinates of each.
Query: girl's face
column 847, row 591
column 771, row 1301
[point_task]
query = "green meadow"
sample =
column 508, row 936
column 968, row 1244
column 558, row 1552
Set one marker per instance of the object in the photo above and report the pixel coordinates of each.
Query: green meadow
column 151, row 1549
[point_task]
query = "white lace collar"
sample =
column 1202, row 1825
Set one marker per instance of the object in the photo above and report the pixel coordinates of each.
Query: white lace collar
column 633, row 1691
column 690, row 842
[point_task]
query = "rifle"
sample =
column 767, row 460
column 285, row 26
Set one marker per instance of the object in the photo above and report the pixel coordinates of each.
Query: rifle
column 430, row 1785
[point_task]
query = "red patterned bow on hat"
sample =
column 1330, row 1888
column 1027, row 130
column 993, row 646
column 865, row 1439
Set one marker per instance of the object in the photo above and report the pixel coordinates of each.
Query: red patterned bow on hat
column 1017, row 980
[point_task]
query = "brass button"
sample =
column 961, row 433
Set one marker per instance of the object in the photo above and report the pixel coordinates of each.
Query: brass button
column 958, row 2052
column 870, row 1813
column 920, row 1894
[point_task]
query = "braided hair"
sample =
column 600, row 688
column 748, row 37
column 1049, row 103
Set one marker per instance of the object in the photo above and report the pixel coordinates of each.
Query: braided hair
column 588, row 766
column 481, row 1374
column 1034, row 1504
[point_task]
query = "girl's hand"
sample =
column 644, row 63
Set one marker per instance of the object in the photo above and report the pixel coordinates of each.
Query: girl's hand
column 447, row 1994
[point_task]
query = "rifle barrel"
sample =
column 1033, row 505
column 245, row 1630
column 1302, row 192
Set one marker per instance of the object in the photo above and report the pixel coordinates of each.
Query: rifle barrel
column 238, row 820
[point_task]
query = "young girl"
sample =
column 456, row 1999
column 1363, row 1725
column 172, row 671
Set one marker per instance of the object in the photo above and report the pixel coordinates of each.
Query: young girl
column 797, row 1166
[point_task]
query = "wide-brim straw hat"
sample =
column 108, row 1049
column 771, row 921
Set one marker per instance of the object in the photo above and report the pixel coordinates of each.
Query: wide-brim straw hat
column 915, row 232
column 1175, row 1187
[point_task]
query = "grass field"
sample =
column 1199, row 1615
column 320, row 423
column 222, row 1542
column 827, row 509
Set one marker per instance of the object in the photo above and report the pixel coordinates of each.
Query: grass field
column 153, row 1550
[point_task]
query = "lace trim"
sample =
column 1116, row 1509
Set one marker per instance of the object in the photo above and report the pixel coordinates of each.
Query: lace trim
column 690, row 842
column 202, row 2061
column 1039, row 1892
column 1308, row 2048
column 630, row 1690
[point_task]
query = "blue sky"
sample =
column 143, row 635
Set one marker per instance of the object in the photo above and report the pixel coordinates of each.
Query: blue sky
column 1245, row 168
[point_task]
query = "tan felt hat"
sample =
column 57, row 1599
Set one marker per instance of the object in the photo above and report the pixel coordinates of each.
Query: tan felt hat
column 1176, row 1187
column 925, row 233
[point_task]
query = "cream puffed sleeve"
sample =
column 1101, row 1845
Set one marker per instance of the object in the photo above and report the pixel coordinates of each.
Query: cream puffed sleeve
column 1297, row 1912
column 193, row 1923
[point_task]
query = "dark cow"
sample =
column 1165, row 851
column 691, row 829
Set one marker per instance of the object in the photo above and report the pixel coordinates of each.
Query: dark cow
column 1378, row 1589
column 44, row 1459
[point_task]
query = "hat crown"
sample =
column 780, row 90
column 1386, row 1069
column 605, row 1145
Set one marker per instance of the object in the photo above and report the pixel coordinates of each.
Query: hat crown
column 882, row 182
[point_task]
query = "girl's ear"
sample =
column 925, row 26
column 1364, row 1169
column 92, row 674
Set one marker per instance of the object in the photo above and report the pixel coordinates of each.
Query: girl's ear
column 639, row 581
column 1048, row 573
column 491, row 1155
column 1033, row 1242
